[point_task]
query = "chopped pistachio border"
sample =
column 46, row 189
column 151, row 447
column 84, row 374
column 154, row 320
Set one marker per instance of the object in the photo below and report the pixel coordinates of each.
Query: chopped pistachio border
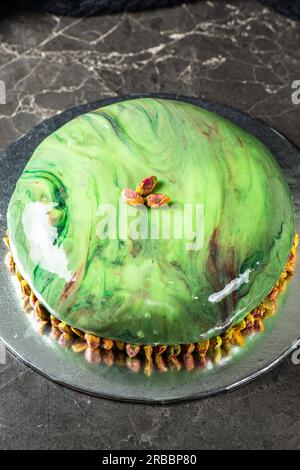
column 162, row 357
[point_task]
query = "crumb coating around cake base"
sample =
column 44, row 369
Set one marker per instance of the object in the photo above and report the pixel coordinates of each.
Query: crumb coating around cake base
column 162, row 357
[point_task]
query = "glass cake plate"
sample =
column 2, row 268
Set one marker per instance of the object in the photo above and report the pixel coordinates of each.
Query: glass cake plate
column 261, row 351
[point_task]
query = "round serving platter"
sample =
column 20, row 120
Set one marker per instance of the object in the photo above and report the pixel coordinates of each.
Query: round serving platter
column 260, row 353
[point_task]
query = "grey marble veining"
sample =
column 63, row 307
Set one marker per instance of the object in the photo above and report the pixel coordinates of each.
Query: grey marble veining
column 237, row 52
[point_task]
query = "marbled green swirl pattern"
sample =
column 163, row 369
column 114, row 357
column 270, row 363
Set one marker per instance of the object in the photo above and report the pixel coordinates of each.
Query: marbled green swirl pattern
column 151, row 291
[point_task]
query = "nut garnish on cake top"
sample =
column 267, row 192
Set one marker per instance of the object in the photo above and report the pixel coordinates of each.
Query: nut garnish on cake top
column 143, row 189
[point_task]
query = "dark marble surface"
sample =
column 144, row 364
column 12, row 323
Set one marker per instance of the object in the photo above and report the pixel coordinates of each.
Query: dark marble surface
column 239, row 53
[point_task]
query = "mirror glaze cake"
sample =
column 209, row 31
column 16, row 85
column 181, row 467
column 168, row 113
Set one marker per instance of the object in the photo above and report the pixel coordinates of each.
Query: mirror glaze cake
column 147, row 291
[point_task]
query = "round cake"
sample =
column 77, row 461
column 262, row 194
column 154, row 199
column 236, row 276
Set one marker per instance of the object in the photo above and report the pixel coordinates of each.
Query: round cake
column 163, row 290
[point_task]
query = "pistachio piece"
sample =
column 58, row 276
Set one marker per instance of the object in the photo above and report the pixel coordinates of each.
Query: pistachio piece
column 148, row 351
column 240, row 326
column 121, row 359
column 202, row 361
column 257, row 313
column 66, row 340
column 159, row 350
column 189, row 362
column 54, row 321
column 132, row 349
column 32, row 299
column 19, row 276
column 247, row 331
column 258, row 325
column 55, row 333
column 283, row 275
column 107, row 344
column 131, row 197
column 77, row 332
column 216, row 355
column 160, row 363
column 25, row 288
column 148, row 368
column 216, row 342
column 79, row 346
column 92, row 341
column 203, row 346
column 120, row 345
column 226, row 344
column 12, row 265
column 26, row 305
column 154, row 201
column 92, row 355
column 174, row 363
column 290, row 267
column 42, row 327
column 133, row 363
column 188, row 348
column 270, row 310
column 249, row 321
column 6, row 241
column 238, row 338
column 174, row 350
column 108, row 358
column 274, row 294
column 147, row 185
column 64, row 328
column 41, row 311
column 148, row 360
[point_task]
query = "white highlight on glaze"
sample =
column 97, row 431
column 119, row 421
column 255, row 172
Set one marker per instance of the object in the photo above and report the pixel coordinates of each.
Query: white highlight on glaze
column 235, row 284
column 41, row 235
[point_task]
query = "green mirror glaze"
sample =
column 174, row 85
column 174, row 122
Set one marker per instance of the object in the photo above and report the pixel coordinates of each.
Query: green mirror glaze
column 151, row 290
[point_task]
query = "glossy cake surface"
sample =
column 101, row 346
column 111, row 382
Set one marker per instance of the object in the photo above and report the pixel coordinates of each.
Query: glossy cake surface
column 151, row 291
